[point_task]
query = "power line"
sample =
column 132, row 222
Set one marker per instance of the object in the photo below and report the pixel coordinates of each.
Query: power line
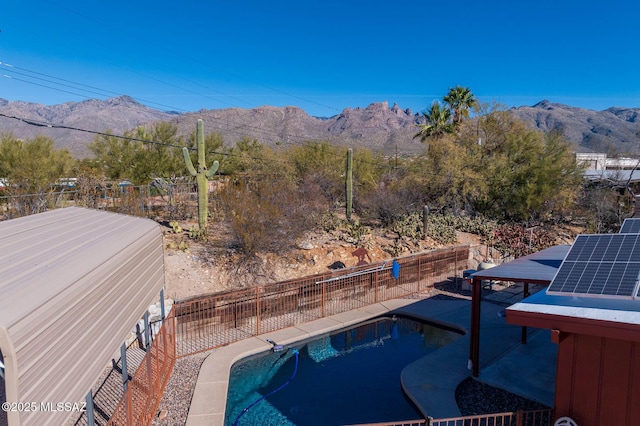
column 105, row 92
column 96, row 89
column 130, row 138
column 196, row 61
column 247, row 127
column 94, row 132
column 146, row 141
column 227, row 154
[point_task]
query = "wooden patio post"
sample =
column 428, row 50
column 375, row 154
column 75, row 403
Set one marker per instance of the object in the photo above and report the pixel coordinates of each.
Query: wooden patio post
column 525, row 294
column 474, row 346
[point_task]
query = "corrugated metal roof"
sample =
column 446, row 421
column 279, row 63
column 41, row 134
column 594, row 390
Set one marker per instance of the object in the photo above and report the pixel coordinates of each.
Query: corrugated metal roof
column 74, row 282
column 539, row 267
column 616, row 176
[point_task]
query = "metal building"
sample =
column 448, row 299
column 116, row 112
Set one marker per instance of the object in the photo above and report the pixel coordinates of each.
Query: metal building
column 73, row 284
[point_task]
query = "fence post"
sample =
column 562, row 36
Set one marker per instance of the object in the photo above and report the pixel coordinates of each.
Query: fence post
column 162, row 307
column 147, row 331
column 257, row 311
column 125, row 383
column 89, row 409
column 519, row 418
column 377, row 281
column 419, row 270
column 159, row 372
column 323, row 297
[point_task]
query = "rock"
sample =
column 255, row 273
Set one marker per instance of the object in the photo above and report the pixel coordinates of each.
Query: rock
column 305, row 245
column 336, row 265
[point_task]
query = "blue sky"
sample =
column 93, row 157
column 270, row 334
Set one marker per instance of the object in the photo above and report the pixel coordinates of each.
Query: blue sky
column 322, row 56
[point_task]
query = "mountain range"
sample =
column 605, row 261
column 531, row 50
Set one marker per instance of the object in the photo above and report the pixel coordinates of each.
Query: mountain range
column 378, row 126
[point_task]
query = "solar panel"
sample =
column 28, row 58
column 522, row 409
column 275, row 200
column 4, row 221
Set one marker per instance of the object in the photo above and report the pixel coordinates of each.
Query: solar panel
column 603, row 265
column 630, row 226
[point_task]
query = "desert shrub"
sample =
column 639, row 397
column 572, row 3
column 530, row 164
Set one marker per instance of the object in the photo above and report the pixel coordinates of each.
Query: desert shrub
column 269, row 215
column 477, row 225
column 328, row 222
column 409, row 226
column 356, row 232
column 442, row 228
column 394, row 198
column 518, row 240
column 603, row 207
column 321, row 190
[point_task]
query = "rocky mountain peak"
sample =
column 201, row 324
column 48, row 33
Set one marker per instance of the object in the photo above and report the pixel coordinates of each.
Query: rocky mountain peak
column 376, row 126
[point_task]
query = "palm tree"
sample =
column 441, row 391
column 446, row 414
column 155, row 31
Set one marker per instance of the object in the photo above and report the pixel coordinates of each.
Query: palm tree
column 438, row 122
column 459, row 100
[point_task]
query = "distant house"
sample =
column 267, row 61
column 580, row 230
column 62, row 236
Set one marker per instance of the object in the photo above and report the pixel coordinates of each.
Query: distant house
column 600, row 162
column 618, row 171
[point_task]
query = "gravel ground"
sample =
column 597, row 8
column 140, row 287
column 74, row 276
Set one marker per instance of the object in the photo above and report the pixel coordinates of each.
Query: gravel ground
column 179, row 391
column 472, row 396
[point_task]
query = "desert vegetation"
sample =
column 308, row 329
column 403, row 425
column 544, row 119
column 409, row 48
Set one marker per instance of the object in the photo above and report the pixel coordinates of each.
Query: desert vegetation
column 482, row 171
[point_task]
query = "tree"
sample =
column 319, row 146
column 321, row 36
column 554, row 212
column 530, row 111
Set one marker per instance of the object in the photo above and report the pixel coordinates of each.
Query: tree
column 525, row 174
column 448, row 180
column 33, row 166
column 160, row 156
column 438, row 123
column 318, row 170
column 267, row 214
column 31, row 169
column 459, row 101
column 252, row 160
column 116, row 156
column 141, row 155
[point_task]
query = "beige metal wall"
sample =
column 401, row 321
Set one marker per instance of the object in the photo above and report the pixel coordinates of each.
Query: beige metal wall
column 74, row 282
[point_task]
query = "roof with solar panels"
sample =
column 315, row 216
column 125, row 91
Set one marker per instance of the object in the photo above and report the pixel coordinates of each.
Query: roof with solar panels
column 598, row 279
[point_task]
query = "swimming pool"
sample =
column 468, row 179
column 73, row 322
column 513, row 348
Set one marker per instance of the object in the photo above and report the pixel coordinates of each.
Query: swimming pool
column 346, row 377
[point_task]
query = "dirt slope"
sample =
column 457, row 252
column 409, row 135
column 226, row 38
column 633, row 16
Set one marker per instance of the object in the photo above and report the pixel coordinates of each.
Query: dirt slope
column 208, row 267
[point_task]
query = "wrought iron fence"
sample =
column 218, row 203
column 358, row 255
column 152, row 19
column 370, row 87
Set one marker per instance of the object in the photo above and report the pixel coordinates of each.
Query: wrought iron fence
column 421, row 422
column 144, row 391
column 207, row 322
column 518, row 418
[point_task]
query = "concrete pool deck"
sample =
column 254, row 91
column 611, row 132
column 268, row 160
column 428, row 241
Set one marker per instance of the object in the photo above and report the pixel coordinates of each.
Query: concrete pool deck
column 527, row 370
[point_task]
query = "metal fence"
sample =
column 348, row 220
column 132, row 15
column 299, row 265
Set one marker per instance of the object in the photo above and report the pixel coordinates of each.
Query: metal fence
column 421, row 422
column 207, row 322
column 144, row 391
column 518, row 418
column 173, row 201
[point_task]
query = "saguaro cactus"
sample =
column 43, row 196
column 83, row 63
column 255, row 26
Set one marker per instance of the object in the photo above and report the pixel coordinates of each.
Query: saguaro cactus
column 202, row 176
column 349, row 183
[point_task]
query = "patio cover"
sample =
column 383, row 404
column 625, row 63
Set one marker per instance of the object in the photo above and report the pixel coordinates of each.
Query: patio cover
column 537, row 268
column 74, row 283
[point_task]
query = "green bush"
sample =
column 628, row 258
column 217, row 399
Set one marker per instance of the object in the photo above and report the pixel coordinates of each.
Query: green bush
column 442, row 228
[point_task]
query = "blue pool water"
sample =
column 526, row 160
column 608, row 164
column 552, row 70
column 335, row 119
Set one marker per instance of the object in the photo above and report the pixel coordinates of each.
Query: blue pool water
column 350, row 376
